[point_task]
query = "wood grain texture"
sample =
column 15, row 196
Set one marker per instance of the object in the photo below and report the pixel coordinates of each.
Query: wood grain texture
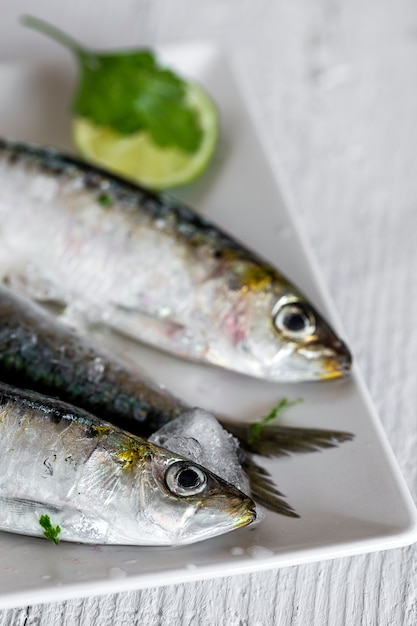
column 336, row 88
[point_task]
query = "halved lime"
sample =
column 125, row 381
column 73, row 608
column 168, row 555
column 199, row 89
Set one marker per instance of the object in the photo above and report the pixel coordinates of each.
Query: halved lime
column 138, row 158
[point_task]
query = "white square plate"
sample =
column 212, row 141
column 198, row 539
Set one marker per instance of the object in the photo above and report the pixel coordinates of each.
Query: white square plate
column 351, row 499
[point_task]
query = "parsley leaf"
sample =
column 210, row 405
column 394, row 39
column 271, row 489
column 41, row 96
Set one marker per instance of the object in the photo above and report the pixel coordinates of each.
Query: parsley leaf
column 254, row 430
column 50, row 532
column 129, row 91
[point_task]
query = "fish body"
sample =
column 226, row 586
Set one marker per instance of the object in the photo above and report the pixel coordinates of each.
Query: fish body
column 101, row 485
column 114, row 253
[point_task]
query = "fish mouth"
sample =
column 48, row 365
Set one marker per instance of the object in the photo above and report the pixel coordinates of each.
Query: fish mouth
column 312, row 362
column 339, row 364
column 246, row 514
column 204, row 523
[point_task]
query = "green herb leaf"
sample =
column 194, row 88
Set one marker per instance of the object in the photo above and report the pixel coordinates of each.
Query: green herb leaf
column 50, row 532
column 105, row 200
column 254, row 430
column 129, row 92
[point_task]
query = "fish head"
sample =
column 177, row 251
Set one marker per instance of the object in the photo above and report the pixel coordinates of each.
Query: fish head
column 186, row 503
column 307, row 347
column 274, row 332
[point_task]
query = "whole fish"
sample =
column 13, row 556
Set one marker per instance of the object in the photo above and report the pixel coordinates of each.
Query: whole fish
column 38, row 352
column 101, row 485
column 111, row 252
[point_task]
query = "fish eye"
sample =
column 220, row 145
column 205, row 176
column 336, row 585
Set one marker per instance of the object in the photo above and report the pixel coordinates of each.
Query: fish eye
column 295, row 320
column 185, row 479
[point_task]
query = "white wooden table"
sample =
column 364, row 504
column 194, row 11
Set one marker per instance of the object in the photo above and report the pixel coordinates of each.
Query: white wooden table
column 336, row 88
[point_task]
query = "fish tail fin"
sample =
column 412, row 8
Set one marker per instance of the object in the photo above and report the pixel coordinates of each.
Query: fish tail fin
column 275, row 441
column 263, row 489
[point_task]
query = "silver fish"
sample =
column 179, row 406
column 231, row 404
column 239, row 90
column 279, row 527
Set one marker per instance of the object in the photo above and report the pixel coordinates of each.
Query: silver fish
column 151, row 268
column 101, row 485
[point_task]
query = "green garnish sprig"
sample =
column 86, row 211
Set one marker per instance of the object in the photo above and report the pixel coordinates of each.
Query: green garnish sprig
column 50, row 532
column 254, row 430
column 129, row 91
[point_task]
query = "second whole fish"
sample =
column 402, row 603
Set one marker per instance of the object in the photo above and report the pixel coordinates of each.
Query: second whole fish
column 111, row 252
